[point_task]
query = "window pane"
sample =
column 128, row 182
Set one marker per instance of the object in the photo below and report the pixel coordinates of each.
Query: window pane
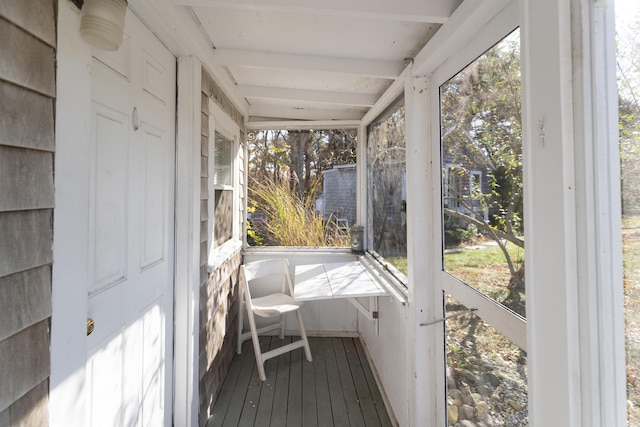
column 223, row 214
column 223, row 160
column 387, row 187
column 628, row 52
column 486, row 373
column 302, row 187
column 482, row 187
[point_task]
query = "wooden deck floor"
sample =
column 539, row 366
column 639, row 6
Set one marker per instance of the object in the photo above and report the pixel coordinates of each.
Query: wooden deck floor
column 336, row 389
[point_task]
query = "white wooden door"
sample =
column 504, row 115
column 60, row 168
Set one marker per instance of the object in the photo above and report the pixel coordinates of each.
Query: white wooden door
column 131, row 223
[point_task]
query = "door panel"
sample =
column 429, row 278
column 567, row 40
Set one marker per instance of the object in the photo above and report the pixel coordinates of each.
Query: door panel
column 130, row 296
column 110, row 191
column 154, row 195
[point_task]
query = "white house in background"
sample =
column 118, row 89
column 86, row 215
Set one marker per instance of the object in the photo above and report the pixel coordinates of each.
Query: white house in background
column 122, row 197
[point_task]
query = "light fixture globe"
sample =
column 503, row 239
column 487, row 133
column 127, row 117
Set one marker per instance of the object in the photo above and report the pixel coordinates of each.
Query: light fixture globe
column 102, row 23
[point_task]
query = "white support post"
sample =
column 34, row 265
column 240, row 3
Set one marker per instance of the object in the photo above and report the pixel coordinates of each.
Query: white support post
column 598, row 215
column 187, row 270
column 572, row 215
column 361, row 180
column 549, row 202
column 424, row 345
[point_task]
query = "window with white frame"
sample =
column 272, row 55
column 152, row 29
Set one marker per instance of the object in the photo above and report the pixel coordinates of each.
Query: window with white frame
column 223, row 170
column 223, row 190
column 482, row 247
column 301, row 187
column 387, row 190
column 475, row 184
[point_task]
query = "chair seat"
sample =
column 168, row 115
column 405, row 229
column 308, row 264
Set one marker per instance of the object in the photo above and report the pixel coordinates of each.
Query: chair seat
column 274, row 305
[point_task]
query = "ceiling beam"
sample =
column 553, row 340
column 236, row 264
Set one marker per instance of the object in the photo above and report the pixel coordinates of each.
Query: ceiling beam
column 433, row 11
column 387, row 98
column 288, row 113
column 257, row 59
column 302, row 124
column 339, row 98
column 473, row 16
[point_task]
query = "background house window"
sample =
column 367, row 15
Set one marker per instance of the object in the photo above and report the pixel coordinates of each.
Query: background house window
column 223, row 190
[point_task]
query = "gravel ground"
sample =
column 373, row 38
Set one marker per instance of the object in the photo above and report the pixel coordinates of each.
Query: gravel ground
column 486, row 376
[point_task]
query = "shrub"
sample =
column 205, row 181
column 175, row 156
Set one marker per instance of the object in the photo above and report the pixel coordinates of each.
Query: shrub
column 292, row 219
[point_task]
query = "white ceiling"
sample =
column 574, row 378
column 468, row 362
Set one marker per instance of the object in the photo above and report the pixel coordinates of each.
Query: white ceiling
column 315, row 60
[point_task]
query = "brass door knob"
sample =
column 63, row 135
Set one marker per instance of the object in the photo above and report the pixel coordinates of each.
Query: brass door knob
column 90, row 325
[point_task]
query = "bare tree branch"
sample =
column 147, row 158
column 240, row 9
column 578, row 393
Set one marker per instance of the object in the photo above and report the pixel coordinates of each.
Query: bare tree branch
column 485, row 227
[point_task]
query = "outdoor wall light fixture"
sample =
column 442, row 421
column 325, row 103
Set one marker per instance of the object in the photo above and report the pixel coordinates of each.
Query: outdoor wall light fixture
column 102, row 23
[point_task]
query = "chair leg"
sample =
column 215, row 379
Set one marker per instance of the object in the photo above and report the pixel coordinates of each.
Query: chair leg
column 256, row 347
column 303, row 334
column 240, row 324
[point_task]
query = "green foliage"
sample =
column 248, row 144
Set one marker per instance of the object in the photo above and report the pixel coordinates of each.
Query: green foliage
column 482, row 137
column 481, row 129
column 301, row 155
column 628, row 64
column 252, row 237
column 455, row 235
column 291, row 219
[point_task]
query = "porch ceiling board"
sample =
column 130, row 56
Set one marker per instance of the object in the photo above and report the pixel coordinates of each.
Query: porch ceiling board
column 433, row 11
column 317, row 96
column 304, row 113
column 256, row 59
column 258, row 124
column 315, row 60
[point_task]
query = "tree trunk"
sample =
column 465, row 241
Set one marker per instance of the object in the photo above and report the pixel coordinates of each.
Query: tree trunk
column 298, row 140
column 516, row 286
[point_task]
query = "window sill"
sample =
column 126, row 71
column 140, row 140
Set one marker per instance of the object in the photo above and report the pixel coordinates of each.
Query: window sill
column 298, row 250
column 222, row 253
column 381, row 272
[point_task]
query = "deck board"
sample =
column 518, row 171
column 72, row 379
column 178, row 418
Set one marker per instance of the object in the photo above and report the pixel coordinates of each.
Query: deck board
column 281, row 396
column 336, row 389
column 267, row 394
column 226, row 391
column 294, row 407
column 376, row 397
column 254, row 388
column 323, row 398
column 363, row 393
column 338, row 407
column 348, row 387
column 309, row 399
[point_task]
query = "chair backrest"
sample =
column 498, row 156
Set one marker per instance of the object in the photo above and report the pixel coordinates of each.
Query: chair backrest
column 274, row 269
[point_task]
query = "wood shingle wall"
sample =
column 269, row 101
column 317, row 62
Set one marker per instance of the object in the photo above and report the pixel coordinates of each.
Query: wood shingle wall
column 218, row 289
column 27, row 96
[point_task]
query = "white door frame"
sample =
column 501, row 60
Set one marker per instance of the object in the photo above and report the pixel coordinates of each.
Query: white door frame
column 174, row 26
column 187, row 228
column 69, row 293
column 69, row 299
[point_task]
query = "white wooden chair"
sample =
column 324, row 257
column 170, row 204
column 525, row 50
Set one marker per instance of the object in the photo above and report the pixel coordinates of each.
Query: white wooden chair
column 277, row 304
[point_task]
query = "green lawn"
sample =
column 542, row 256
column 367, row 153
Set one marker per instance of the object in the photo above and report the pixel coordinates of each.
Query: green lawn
column 484, row 267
